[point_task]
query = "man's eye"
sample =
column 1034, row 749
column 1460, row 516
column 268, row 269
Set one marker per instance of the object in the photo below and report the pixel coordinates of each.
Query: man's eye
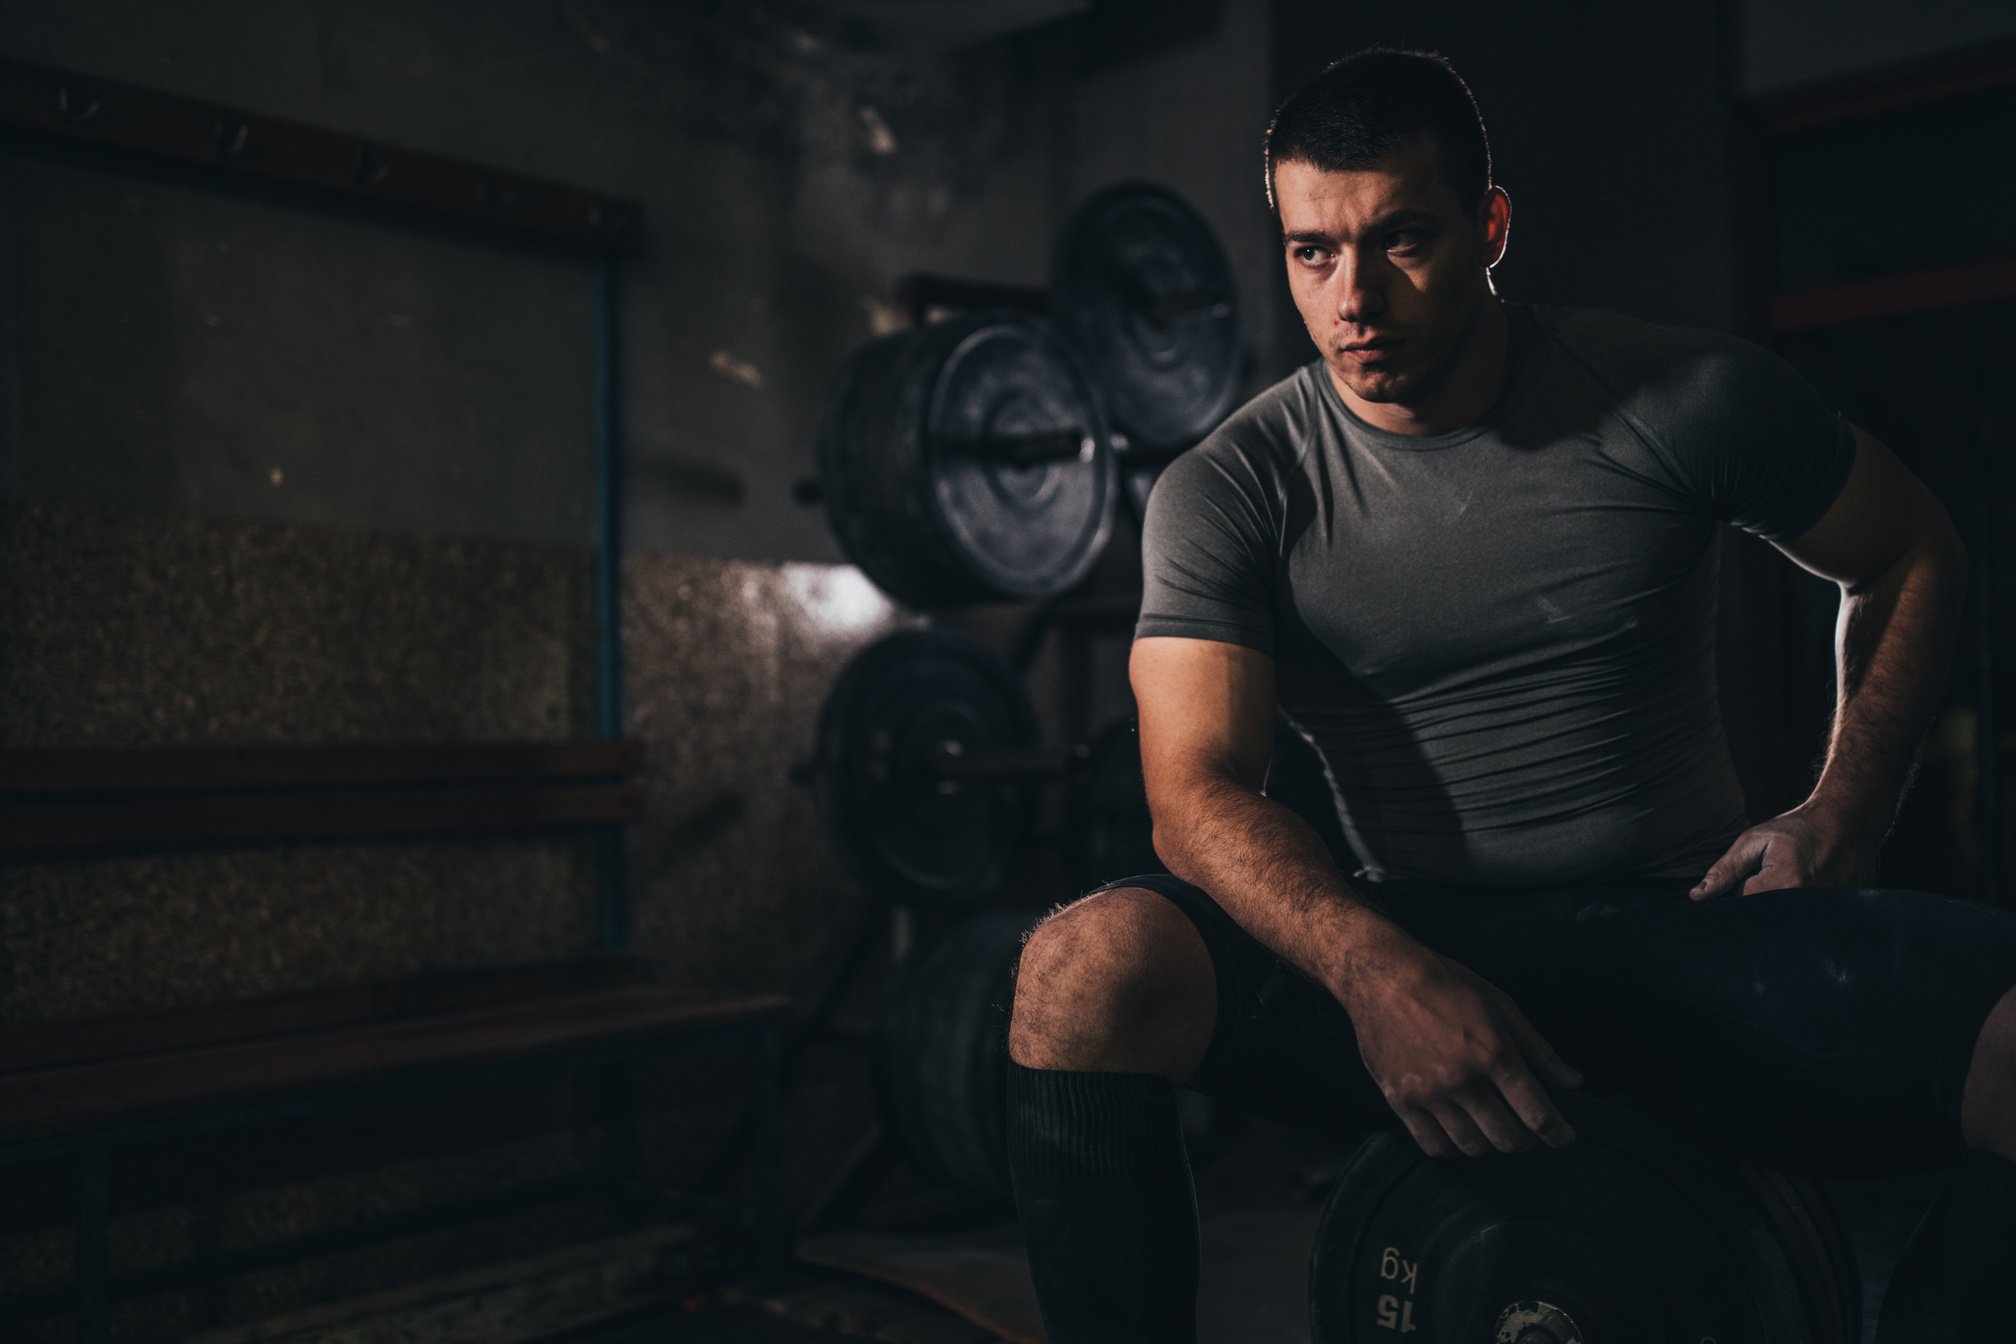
column 1413, row 245
column 1308, row 256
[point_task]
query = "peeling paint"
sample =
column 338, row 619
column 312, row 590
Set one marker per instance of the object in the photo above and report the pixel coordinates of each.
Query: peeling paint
column 881, row 140
column 739, row 370
column 883, row 316
column 808, row 85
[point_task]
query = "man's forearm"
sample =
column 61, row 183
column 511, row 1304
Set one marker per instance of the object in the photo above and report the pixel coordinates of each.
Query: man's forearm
column 1893, row 648
column 1270, row 872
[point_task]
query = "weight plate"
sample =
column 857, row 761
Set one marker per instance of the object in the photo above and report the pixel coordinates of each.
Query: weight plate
column 925, row 462
column 1138, row 480
column 941, row 1058
column 1142, row 286
column 1109, row 834
column 941, row 1053
column 1813, row 1234
column 897, row 828
column 1635, row 1234
column 862, row 487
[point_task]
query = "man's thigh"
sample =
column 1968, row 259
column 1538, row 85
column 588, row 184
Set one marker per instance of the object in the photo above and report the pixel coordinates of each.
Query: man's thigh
column 1826, row 1031
column 1281, row 1046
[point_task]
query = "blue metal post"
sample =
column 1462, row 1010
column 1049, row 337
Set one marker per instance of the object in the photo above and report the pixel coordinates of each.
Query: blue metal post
column 94, row 1258
column 618, row 1093
column 609, row 585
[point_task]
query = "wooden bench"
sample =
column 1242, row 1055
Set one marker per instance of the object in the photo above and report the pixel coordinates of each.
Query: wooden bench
column 110, row 800
column 81, row 1089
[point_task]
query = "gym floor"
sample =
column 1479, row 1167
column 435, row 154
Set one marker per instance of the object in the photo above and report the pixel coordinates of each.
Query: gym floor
column 808, row 1303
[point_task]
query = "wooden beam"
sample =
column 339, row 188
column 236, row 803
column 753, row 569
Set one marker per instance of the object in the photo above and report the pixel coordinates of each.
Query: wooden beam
column 39, row 1102
column 41, row 1045
column 1841, row 303
column 39, row 829
column 106, row 114
column 185, row 769
column 1861, row 96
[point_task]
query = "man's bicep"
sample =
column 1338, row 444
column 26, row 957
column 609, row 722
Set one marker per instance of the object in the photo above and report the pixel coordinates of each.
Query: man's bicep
column 1882, row 511
column 1206, row 712
column 1208, row 542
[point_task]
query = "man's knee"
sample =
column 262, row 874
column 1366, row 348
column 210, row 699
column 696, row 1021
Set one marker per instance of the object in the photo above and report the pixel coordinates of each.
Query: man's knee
column 1118, row 981
column 1988, row 1103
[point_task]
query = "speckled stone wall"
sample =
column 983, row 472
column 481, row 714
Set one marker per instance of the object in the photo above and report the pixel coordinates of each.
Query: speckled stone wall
column 131, row 629
column 110, row 937
column 128, row 628
column 271, row 475
column 727, row 662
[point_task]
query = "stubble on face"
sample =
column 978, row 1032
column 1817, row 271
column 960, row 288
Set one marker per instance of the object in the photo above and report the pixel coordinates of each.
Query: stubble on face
column 1385, row 252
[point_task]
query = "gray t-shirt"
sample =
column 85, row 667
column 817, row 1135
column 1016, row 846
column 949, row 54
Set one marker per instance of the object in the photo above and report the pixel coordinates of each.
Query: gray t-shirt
column 1502, row 639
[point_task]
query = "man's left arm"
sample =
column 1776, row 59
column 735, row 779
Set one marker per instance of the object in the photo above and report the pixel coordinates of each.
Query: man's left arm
column 1886, row 540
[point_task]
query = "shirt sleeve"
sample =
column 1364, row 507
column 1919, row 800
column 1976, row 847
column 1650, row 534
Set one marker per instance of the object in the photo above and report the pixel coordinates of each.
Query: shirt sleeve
column 1209, row 539
column 1754, row 444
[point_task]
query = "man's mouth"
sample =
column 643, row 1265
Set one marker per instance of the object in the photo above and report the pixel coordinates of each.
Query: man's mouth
column 1370, row 352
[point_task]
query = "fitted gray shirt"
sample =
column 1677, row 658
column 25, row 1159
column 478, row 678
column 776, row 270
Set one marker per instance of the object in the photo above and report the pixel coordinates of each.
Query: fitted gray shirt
column 1502, row 639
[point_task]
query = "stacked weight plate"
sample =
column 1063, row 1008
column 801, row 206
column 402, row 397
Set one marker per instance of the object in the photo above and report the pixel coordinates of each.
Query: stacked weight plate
column 941, row 1053
column 1111, row 834
column 900, row 826
column 941, row 1059
column 1143, row 289
column 971, row 460
column 1634, row 1234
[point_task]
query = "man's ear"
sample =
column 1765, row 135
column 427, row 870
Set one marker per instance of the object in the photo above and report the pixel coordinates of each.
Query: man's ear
column 1497, row 221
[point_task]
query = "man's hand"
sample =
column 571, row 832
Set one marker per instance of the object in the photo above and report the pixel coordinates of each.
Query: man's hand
column 1809, row 846
column 1455, row 1057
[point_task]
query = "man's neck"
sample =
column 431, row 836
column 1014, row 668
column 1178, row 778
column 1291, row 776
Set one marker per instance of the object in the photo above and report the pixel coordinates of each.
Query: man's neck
column 1471, row 387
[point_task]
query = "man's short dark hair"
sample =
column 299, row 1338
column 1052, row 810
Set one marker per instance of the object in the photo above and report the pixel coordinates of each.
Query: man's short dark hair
column 1369, row 104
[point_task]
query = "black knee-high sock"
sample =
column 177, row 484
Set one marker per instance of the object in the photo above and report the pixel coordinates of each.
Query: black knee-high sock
column 1952, row 1284
column 1103, row 1185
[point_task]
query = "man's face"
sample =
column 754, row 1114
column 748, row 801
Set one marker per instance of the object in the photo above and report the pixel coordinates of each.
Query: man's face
column 1387, row 256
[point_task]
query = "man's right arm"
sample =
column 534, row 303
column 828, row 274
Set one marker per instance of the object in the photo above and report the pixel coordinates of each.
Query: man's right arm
column 1207, row 729
column 1452, row 1054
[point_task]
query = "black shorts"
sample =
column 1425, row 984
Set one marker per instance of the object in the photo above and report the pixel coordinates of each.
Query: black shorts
column 1824, row 1031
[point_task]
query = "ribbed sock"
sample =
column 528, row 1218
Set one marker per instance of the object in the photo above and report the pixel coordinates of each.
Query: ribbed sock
column 1103, row 1185
column 1952, row 1285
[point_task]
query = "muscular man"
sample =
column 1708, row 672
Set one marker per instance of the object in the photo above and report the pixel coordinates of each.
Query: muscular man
column 1470, row 551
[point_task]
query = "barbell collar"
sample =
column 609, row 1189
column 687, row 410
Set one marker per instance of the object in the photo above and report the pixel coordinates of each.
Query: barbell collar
column 1028, row 450
column 1176, row 308
column 953, row 762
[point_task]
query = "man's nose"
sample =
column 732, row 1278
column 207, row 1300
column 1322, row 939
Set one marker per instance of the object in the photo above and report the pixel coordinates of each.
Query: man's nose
column 1359, row 297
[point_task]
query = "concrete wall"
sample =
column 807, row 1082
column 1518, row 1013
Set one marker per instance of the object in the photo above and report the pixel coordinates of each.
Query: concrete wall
column 274, row 474
column 1787, row 43
column 789, row 171
column 270, row 474
column 1611, row 129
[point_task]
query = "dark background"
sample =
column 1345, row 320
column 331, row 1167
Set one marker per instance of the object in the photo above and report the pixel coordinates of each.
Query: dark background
column 271, row 473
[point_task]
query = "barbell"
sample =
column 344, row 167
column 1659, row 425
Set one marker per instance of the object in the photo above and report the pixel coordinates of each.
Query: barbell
column 926, row 765
column 975, row 459
column 941, row 1059
column 968, row 461
column 1142, row 287
column 1637, row 1233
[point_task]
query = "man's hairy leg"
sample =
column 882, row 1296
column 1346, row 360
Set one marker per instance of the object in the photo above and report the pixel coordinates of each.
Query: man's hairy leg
column 1950, row 1283
column 1114, row 1004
